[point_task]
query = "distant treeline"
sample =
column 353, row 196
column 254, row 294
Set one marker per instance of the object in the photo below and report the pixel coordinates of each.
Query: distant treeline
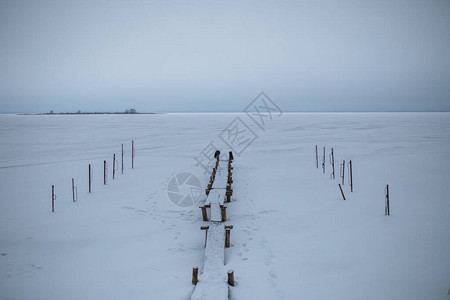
column 126, row 112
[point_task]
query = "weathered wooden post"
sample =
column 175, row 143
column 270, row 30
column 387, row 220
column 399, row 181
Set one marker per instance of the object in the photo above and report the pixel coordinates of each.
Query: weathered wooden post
column 386, row 205
column 132, row 154
column 90, row 178
column 204, row 213
column 343, row 171
column 341, row 191
column 223, row 210
column 114, row 166
column 332, row 162
column 73, row 191
column 231, row 277
column 206, row 232
column 323, row 160
column 195, row 275
column 227, row 235
column 104, row 172
column 229, row 193
column 317, row 158
column 53, row 198
column 351, row 177
column 122, row 158
column 230, row 156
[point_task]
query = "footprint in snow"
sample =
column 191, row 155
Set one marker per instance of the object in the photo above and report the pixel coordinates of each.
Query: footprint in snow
column 272, row 273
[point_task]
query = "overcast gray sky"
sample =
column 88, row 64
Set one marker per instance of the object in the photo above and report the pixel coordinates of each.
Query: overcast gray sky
column 218, row 55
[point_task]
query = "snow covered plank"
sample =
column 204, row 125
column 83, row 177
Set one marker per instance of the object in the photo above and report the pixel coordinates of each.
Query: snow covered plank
column 220, row 181
column 213, row 279
column 216, row 211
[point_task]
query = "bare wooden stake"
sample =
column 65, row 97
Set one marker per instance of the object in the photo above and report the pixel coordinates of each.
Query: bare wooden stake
column 195, row 275
column 90, row 178
column 114, row 166
column 231, row 277
column 351, row 177
column 343, row 171
column 386, row 206
column 341, row 191
column 132, row 154
column 332, row 162
column 317, row 158
column 323, row 160
column 53, row 198
column 122, row 158
column 73, row 191
column 104, row 172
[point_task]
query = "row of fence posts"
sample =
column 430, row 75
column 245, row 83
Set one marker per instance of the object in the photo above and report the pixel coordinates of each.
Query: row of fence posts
column 341, row 169
column 91, row 178
column 229, row 193
column 342, row 175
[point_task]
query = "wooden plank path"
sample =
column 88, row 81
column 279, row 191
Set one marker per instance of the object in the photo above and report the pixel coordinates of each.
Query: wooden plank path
column 213, row 281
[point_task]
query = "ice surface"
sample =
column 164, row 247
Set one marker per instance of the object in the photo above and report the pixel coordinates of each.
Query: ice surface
column 293, row 238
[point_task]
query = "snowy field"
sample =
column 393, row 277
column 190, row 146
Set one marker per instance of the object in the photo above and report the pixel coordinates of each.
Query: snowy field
column 293, row 238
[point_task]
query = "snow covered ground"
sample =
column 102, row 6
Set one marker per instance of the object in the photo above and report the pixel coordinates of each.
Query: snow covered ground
column 293, row 237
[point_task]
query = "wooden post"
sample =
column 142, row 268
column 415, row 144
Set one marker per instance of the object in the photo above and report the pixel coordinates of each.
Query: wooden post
column 317, row 158
column 323, row 160
column 351, row 177
column 104, row 172
column 204, row 213
column 332, row 162
column 122, row 158
column 206, row 232
column 386, row 207
column 230, row 156
column 223, row 210
column 228, row 193
column 132, row 154
column 114, row 166
column 73, row 190
column 343, row 171
column 341, row 191
column 195, row 275
column 90, row 178
column 227, row 235
column 231, row 277
column 53, row 198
